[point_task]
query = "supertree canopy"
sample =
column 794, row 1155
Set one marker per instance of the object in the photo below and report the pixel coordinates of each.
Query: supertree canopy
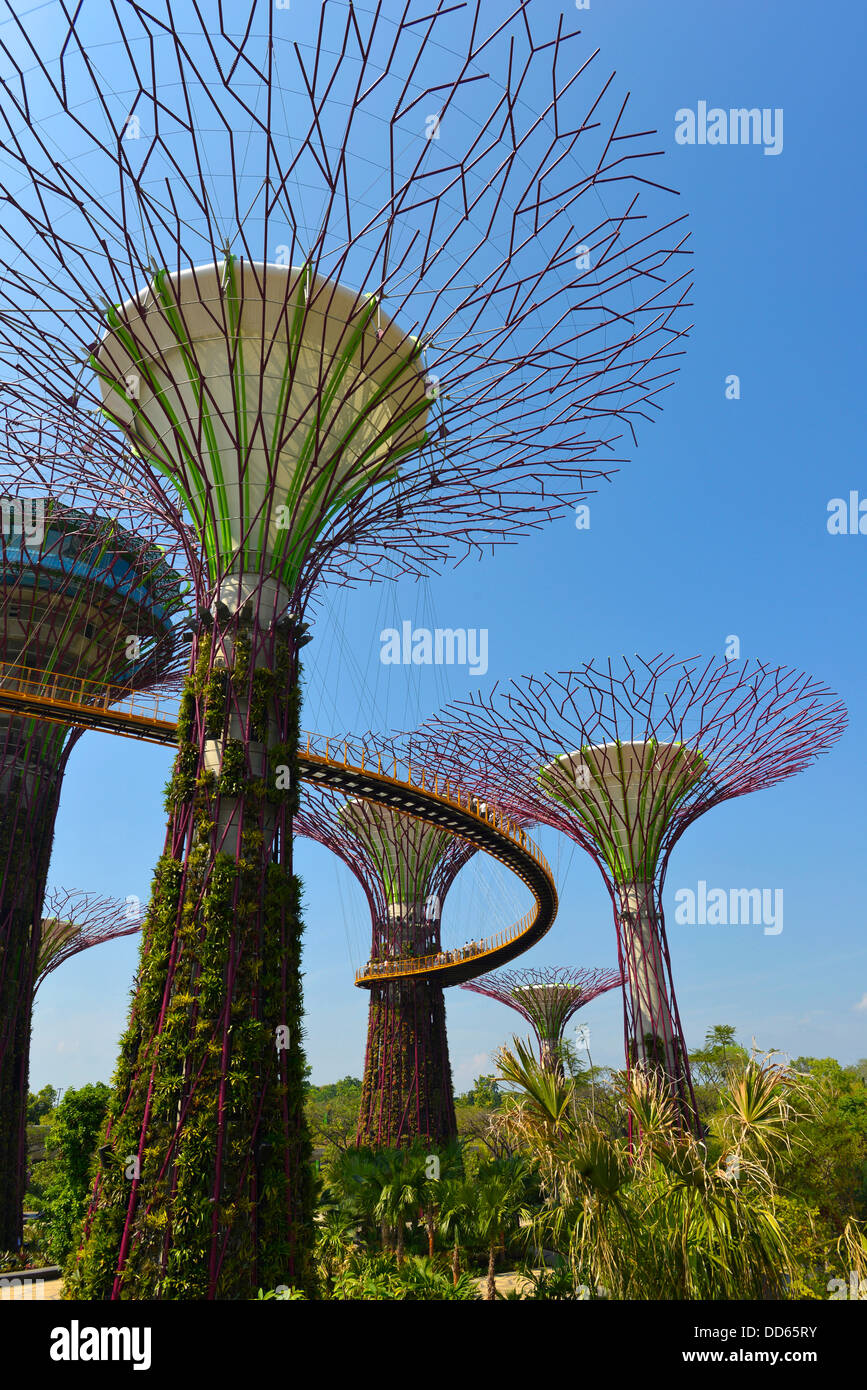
column 622, row 758
column 406, row 868
column 354, row 297
column 368, row 296
column 74, row 921
column 547, row 997
column 88, row 605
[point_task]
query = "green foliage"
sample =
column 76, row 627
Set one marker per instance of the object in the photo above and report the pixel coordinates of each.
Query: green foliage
column 332, row 1114
column 216, row 694
column 673, row 1219
column 557, row 1285
column 552, row 1093
column 34, row 1251
column 827, row 1165
column 740, row 1215
column 713, row 1064
column 200, row 1077
column 484, row 1094
column 233, row 770
column 73, row 1136
column 354, row 1181
column 336, row 1090
column 500, row 1191
column 39, row 1105
column 420, row 1280
column 182, row 783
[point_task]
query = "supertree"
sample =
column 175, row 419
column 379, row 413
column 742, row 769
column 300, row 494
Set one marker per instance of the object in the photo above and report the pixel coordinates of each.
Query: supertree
column 73, row 921
column 406, row 868
column 622, row 758
column 355, row 297
column 88, row 605
column 547, row 997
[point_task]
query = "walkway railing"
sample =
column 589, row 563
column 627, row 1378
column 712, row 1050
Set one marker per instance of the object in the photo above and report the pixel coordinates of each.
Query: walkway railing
column 347, row 765
column 443, row 960
column 60, row 697
column 444, row 803
column 443, row 789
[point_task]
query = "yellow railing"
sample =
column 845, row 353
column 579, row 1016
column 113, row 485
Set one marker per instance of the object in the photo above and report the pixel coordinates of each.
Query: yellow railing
column 62, row 694
column 444, row 960
column 360, row 757
column 435, row 788
column 56, row 689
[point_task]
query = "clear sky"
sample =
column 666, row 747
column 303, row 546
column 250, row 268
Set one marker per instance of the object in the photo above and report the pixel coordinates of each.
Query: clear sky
column 716, row 528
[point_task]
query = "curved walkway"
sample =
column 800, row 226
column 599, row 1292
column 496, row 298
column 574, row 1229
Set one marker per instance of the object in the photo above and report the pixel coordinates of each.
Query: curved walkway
column 348, row 768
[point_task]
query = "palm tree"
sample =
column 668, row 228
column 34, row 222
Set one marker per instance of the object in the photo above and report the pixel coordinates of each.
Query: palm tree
column 757, row 1110
column 402, row 1194
column 448, row 1163
column 334, row 1239
column 666, row 1220
column 456, row 1216
column 425, row 1282
column 547, row 1088
column 499, row 1202
column 356, row 1178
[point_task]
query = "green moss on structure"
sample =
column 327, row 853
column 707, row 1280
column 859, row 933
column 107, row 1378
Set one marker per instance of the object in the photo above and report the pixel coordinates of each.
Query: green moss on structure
column 206, row 1190
column 407, row 1091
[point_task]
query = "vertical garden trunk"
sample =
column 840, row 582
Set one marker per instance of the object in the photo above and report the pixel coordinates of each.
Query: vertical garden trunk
column 32, row 762
column 406, row 1091
column 206, row 1190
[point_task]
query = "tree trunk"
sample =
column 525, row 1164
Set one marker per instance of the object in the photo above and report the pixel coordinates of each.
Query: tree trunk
column 32, row 762
column 407, row 1088
column 492, row 1283
column 209, row 1090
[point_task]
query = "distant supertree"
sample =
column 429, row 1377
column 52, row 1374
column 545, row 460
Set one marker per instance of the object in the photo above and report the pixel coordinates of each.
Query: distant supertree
column 406, row 868
column 73, row 921
column 88, row 605
column 622, row 760
column 353, row 293
column 547, row 997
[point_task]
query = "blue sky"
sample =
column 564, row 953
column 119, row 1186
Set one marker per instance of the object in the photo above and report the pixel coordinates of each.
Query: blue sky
column 717, row 527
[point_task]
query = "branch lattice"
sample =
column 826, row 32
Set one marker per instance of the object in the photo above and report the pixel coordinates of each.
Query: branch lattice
column 622, row 757
column 547, row 997
column 522, row 256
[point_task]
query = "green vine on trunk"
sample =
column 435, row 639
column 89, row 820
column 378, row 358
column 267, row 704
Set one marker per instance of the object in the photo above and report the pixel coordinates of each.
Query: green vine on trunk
column 224, row 1142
